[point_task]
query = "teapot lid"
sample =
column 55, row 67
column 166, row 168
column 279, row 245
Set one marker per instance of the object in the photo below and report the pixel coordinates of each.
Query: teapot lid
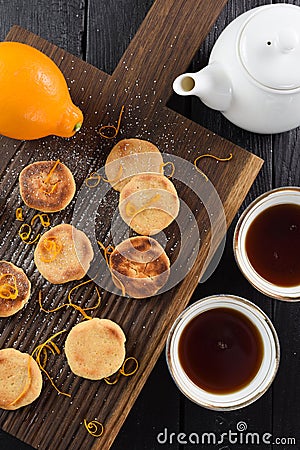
column 269, row 46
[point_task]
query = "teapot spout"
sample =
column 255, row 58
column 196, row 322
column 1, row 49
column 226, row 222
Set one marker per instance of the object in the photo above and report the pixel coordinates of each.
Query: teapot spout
column 211, row 85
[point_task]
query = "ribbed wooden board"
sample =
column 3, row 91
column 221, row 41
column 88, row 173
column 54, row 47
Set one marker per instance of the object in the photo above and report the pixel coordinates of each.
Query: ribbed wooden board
column 162, row 48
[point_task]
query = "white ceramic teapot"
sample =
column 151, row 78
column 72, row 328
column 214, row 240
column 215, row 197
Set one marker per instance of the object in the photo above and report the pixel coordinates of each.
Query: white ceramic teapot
column 253, row 75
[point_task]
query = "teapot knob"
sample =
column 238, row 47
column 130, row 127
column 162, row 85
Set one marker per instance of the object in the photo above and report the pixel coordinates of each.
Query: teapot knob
column 287, row 40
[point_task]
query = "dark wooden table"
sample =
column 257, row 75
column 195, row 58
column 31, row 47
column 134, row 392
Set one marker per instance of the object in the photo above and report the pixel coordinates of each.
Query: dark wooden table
column 99, row 31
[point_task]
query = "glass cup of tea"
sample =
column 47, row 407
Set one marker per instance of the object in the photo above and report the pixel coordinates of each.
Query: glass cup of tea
column 266, row 243
column 223, row 352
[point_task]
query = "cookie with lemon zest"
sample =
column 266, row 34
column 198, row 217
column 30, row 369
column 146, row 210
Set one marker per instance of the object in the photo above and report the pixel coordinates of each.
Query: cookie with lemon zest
column 15, row 289
column 133, row 156
column 47, row 186
column 140, row 266
column 149, row 203
column 63, row 254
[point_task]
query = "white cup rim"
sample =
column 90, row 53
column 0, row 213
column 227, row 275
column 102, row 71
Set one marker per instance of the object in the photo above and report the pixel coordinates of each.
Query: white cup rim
column 265, row 375
column 282, row 195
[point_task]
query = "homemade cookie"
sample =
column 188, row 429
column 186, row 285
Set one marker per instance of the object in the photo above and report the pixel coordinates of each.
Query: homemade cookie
column 148, row 203
column 139, row 266
column 95, row 349
column 20, row 379
column 47, row 186
column 130, row 157
column 63, row 254
column 14, row 289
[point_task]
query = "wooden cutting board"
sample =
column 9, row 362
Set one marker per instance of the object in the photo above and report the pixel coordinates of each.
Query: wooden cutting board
column 163, row 48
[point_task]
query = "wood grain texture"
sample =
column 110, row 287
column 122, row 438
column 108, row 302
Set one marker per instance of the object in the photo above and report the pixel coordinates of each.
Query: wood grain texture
column 58, row 21
column 110, row 28
column 164, row 46
column 56, row 422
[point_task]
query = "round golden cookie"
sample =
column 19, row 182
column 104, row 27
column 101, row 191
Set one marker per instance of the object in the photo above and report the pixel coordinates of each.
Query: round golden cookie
column 139, row 266
column 95, row 349
column 63, row 254
column 47, row 186
column 148, row 203
column 14, row 289
column 130, row 157
column 20, row 379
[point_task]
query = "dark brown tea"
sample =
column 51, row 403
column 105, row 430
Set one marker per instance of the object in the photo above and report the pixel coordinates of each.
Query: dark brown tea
column 220, row 350
column 273, row 244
